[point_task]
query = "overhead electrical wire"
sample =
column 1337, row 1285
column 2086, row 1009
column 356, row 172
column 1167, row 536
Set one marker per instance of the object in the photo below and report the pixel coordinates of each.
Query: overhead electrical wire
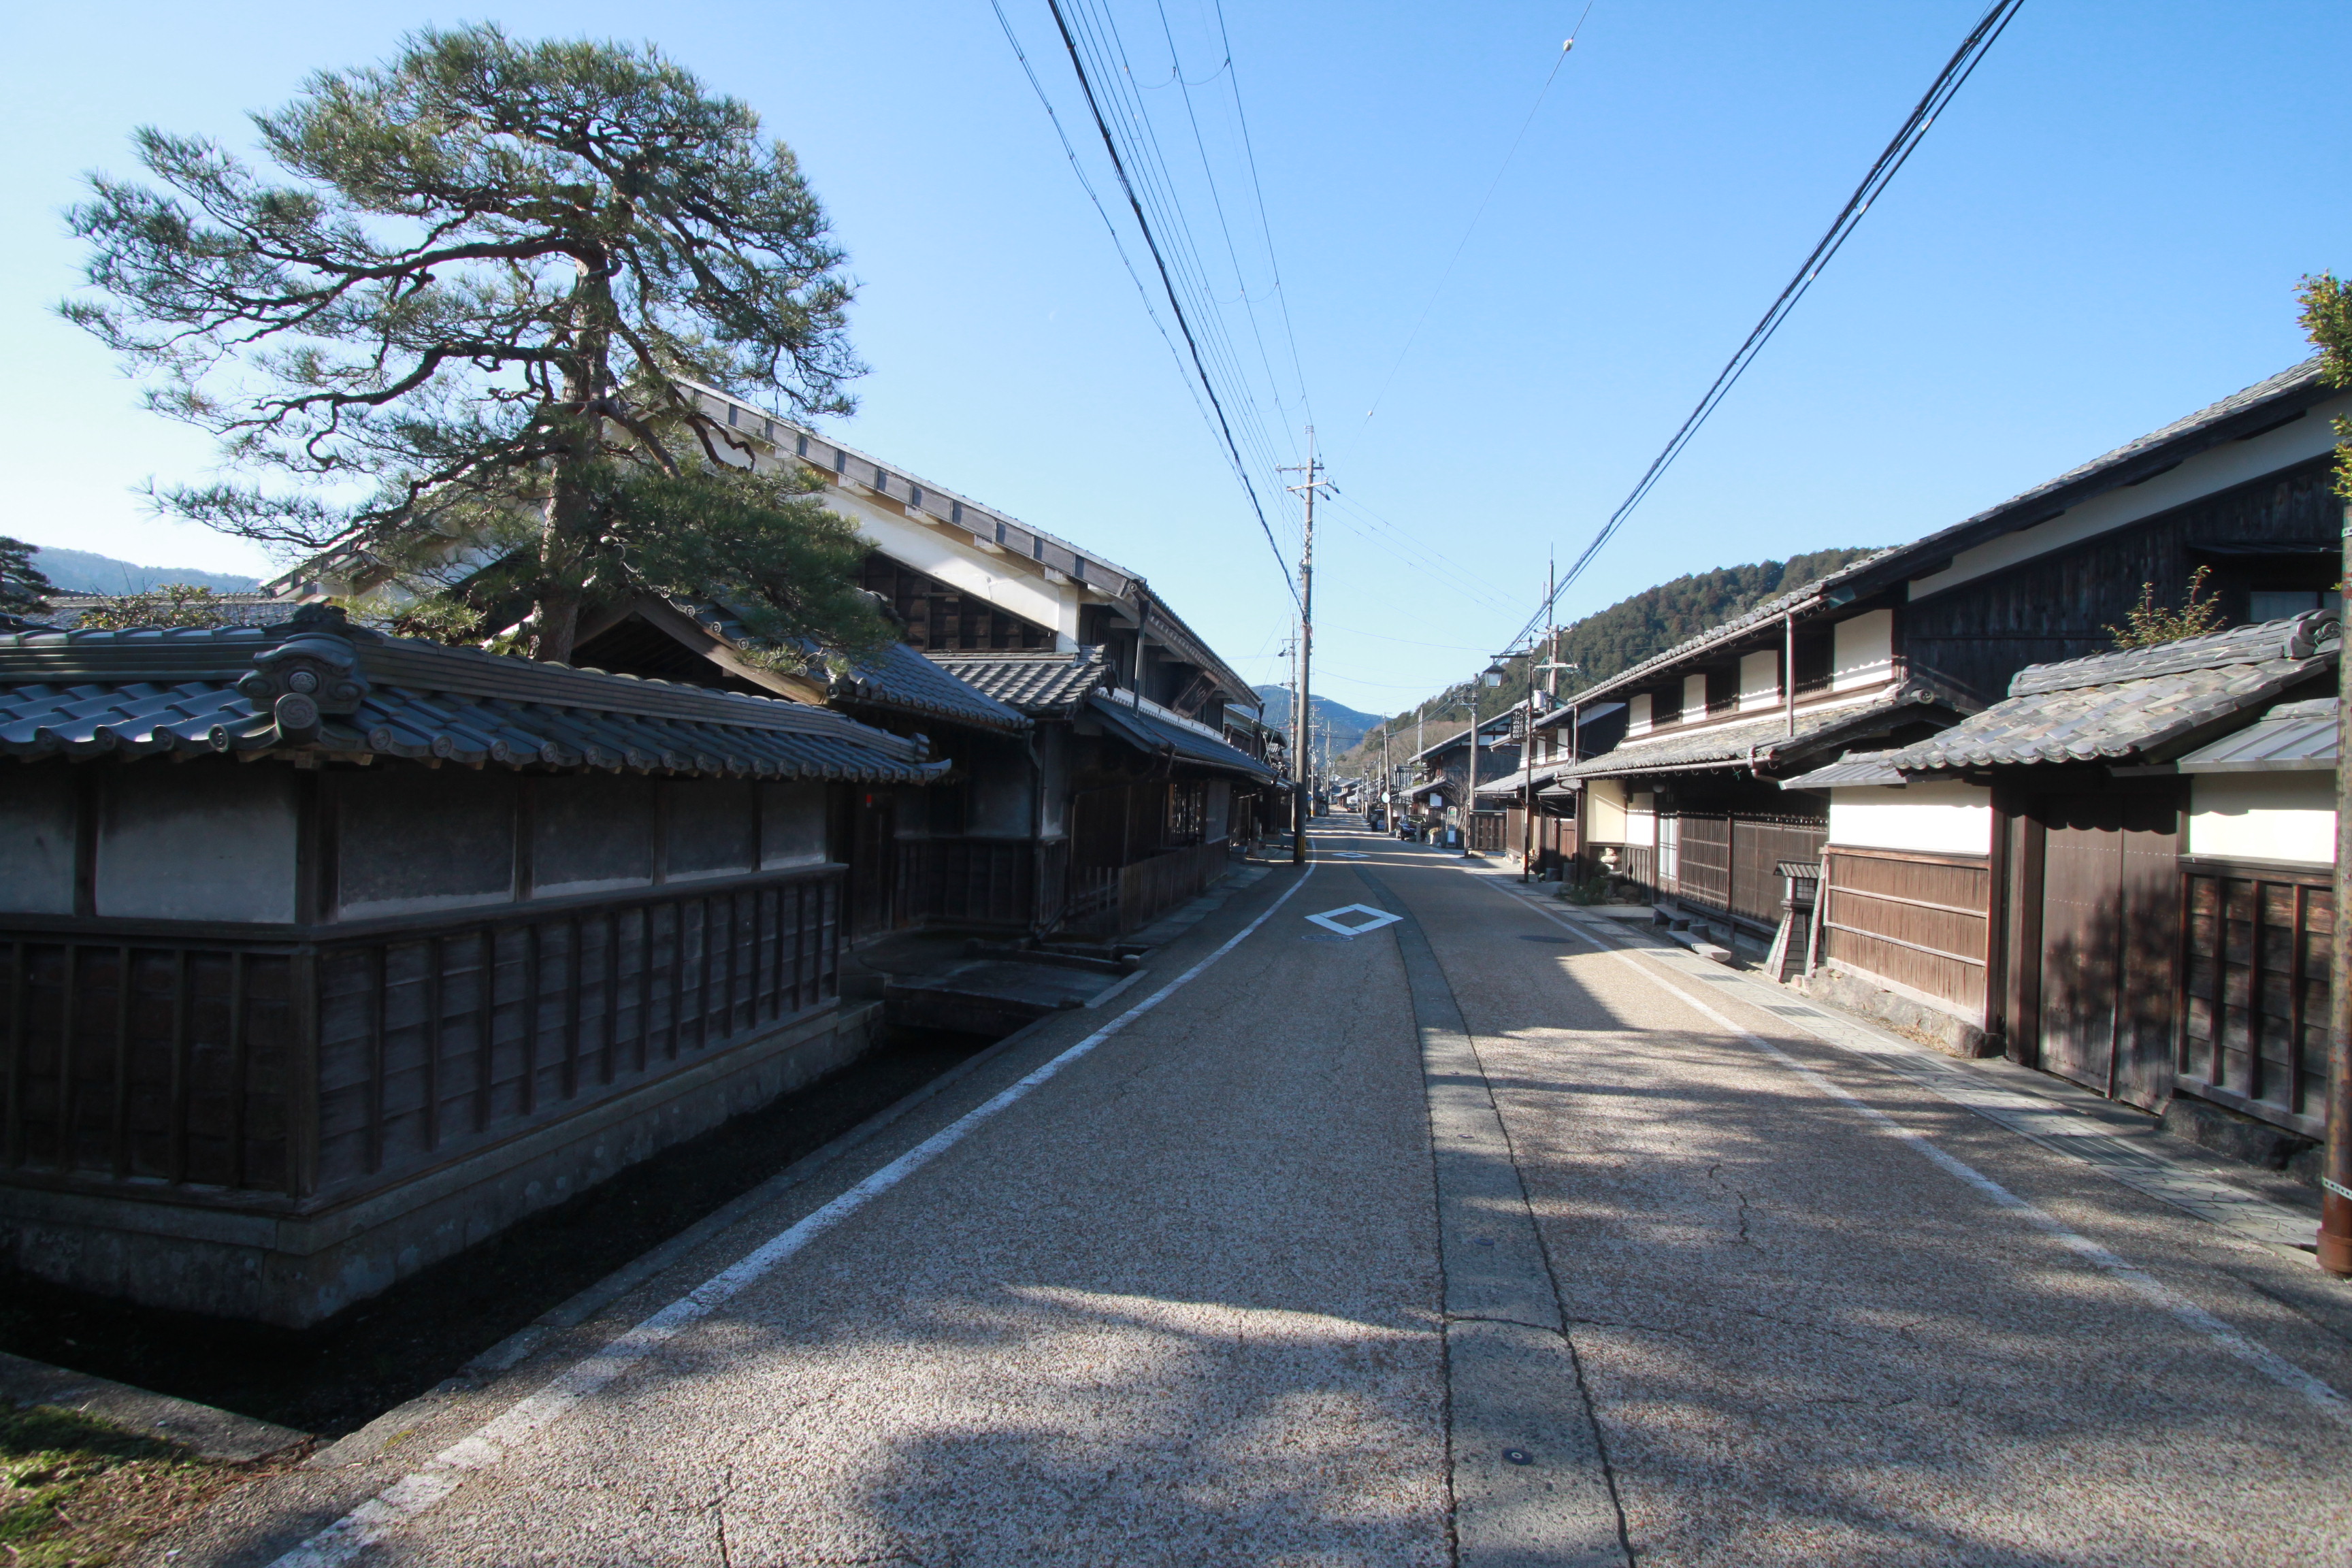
column 1142, row 176
column 1949, row 83
column 1087, row 185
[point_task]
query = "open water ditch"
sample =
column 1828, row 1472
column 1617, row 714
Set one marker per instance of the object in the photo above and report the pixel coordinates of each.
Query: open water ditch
column 336, row 1376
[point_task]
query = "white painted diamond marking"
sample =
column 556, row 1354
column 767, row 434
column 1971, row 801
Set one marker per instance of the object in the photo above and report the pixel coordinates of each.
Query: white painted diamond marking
column 1368, row 918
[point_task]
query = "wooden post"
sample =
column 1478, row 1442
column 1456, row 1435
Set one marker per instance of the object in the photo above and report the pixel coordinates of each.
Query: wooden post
column 2335, row 1167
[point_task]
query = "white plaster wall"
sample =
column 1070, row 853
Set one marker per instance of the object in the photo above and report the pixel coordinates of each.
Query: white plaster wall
column 1864, row 650
column 1640, row 818
column 1605, row 811
column 1941, row 819
column 36, row 839
column 1637, row 716
column 2264, row 816
column 2216, row 468
column 1759, row 680
column 1693, row 697
column 194, row 843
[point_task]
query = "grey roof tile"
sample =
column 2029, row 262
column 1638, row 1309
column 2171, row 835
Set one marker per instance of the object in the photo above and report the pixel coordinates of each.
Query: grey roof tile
column 1149, row 732
column 2114, row 706
column 2293, row 737
column 1766, row 741
column 1039, row 684
column 93, row 693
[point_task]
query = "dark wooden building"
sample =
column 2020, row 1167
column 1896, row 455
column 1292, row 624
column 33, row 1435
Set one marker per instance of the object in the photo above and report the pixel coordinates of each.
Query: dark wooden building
column 325, row 955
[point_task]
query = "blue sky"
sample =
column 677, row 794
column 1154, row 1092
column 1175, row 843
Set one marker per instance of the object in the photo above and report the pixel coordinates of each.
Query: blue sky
column 2104, row 233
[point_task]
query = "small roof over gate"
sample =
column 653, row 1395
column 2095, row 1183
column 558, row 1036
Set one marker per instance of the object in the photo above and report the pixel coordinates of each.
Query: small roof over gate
column 2293, row 737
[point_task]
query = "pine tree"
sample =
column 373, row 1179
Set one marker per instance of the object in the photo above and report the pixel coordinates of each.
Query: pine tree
column 24, row 590
column 472, row 292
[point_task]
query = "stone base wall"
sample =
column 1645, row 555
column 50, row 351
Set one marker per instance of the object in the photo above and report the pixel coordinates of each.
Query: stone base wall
column 297, row 1270
column 1917, row 1020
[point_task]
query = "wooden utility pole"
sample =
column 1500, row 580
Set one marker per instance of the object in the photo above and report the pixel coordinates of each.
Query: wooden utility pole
column 1303, row 692
column 2336, row 1163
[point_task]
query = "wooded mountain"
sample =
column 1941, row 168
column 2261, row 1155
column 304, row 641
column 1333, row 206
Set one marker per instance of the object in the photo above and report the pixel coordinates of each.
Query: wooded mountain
column 84, row 572
column 1610, row 641
column 1348, row 726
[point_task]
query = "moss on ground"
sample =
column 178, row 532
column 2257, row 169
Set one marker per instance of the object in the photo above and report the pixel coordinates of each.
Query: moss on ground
column 76, row 1492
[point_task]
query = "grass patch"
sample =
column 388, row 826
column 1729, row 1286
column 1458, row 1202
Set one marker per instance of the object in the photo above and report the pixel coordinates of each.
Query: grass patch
column 76, row 1492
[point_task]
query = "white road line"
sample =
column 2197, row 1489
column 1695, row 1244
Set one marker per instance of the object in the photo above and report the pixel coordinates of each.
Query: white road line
column 419, row 1491
column 2269, row 1362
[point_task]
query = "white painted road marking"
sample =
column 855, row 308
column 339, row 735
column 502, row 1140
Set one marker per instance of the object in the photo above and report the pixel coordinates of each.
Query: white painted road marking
column 1371, row 918
column 417, row 1493
column 2261, row 1358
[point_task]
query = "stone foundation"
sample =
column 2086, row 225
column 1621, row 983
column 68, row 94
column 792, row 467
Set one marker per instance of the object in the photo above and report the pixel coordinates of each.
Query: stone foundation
column 1916, row 1020
column 297, row 1269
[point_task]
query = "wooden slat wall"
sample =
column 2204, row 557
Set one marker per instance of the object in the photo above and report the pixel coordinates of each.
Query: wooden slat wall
column 1731, row 863
column 981, row 881
column 1916, row 918
column 2255, row 989
column 196, row 1072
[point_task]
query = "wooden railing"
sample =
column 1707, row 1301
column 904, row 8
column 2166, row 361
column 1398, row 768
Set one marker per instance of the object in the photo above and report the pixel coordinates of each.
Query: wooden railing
column 1917, row 920
column 1151, row 888
column 2254, row 976
column 342, row 1059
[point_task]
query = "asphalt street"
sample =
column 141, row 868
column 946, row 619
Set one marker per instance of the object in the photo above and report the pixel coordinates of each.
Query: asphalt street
column 1494, row 1235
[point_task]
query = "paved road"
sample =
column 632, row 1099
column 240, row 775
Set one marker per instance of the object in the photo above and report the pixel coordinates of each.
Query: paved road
column 1681, row 1285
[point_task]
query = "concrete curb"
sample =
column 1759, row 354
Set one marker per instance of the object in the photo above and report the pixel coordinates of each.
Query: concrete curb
column 211, row 1433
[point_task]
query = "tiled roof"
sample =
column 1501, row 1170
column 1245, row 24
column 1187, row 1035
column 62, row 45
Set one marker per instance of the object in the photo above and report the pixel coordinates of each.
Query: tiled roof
column 2303, row 382
column 1151, row 733
column 1512, row 783
column 2293, row 737
column 2113, row 706
column 317, row 686
column 905, row 680
column 1854, row 768
column 1039, row 684
column 1765, row 741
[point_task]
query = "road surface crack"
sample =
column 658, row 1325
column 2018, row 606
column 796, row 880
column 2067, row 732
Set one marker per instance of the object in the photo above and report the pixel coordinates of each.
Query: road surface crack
column 1742, row 1238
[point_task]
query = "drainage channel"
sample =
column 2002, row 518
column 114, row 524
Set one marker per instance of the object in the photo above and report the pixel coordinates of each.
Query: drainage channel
column 336, row 1376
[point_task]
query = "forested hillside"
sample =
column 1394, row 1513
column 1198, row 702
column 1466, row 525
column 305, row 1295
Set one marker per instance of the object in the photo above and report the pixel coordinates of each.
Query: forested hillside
column 1615, row 639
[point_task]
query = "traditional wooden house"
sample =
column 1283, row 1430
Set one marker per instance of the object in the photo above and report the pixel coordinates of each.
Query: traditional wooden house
column 2117, row 875
column 990, row 849
column 325, row 955
column 1906, row 642
column 1440, row 801
column 1143, row 804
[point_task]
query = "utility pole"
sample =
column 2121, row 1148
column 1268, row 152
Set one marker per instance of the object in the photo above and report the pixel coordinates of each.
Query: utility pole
column 2335, row 1153
column 1303, row 690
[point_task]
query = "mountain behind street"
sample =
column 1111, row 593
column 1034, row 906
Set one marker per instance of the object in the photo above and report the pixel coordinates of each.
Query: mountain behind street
column 1348, row 726
column 84, row 572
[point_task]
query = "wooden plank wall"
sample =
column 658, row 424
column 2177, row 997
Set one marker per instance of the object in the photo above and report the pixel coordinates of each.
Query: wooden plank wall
column 1916, row 919
column 2254, row 981
column 294, row 1069
column 1730, row 863
column 967, row 882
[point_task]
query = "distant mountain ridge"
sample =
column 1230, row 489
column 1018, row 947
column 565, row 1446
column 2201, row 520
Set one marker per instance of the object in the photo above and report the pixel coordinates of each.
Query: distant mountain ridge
column 1348, row 726
column 86, row 572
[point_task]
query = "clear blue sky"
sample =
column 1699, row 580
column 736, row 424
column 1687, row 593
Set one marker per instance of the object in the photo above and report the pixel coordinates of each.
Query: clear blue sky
column 2102, row 235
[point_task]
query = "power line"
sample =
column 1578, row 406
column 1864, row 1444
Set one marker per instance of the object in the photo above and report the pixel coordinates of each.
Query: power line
column 1150, row 240
column 1940, row 93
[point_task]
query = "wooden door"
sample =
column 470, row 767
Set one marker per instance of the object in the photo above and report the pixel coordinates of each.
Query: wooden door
column 873, row 850
column 2110, row 926
column 2082, row 880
